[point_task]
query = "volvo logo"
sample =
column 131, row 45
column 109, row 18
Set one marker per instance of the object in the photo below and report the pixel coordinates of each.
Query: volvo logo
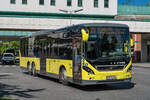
column 117, row 63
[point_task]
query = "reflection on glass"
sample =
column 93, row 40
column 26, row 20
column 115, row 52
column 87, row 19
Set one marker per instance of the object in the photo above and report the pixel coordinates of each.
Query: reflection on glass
column 107, row 43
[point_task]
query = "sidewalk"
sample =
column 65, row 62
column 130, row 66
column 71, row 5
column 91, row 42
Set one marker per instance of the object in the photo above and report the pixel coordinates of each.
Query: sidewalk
column 144, row 65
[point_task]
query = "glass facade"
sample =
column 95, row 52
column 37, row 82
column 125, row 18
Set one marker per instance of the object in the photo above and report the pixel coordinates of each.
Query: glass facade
column 134, row 7
column 135, row 2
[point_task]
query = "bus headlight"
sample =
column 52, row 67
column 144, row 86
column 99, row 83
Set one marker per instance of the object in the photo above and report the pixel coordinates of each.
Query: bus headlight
column 129, row 69
column 87, row 69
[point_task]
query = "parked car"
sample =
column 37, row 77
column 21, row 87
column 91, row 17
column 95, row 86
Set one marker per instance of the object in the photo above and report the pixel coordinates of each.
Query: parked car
column 8, row 58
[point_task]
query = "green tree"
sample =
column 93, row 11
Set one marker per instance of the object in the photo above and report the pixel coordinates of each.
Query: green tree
column 9, row 45
column 14, row 44
column 4, row 46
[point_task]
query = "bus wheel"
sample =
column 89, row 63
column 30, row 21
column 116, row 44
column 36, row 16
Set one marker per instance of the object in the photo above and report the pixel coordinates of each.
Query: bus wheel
column 63, row 76
column 34, row 70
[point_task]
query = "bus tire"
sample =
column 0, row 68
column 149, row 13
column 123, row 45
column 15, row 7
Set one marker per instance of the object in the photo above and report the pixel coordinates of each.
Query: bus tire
column 63, row 76
column 34, row 73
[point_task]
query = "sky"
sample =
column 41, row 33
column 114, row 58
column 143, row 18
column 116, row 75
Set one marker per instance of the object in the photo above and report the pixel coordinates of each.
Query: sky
column 134, row 2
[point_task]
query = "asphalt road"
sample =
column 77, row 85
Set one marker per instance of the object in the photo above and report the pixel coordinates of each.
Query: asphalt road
column 17, row 85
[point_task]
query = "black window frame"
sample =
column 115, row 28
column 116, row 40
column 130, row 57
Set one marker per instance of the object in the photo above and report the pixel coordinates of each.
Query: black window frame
column 69, row 3
column 12, row 1
column 52, row 2
column 106, row 3
column 80, row 3
column 24, row 2
column 41, row 2
column 95, row 3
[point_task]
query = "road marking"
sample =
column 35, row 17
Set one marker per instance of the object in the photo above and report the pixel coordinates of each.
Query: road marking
column 6, row 66
column 1, row 74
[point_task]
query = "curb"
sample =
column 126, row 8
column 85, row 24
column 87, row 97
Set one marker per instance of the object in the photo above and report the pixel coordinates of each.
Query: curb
column 140, row 66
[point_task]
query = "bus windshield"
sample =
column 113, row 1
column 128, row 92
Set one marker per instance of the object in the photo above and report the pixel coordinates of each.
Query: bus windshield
column 107, row 43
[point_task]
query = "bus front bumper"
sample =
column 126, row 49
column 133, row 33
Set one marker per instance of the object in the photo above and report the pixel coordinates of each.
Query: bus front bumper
column 95, row 82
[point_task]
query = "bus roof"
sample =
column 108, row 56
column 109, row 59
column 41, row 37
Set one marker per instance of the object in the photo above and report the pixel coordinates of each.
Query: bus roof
column 104, row 25
column 44, row 32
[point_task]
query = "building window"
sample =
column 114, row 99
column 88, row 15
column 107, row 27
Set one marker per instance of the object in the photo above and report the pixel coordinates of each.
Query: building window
column 13, row 1
column 24, row 1
column 69, row 2
column 95, row 3
column 106, row 3
column 52, row 2
column 41, row 2
column 79, row 3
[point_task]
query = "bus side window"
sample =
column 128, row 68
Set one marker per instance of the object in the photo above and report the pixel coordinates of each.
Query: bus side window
column 52, row 48
column 26, row 48
column 78, row 44
column 35, row 50
column 55, row 48
column 64, row 49
column 48, row 49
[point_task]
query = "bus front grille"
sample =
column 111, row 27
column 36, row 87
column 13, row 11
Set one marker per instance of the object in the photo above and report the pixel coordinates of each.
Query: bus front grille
column 109, row 67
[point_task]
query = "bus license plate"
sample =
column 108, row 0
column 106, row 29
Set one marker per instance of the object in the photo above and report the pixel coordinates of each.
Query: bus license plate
column 111, row 77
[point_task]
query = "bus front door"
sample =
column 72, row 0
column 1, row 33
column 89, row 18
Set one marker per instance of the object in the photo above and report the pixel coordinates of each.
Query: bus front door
column 77, row 60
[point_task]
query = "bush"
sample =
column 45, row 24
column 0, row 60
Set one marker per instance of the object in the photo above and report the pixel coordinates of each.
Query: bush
column 5, row 99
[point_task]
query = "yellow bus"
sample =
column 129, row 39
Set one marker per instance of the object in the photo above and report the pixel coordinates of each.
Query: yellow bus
column 84, row 54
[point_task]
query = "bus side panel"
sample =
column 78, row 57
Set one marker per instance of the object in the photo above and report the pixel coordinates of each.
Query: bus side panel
column 25, row 60
column 53, row 66
column 49, row 65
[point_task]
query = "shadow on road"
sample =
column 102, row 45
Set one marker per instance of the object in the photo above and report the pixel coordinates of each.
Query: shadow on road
column 7, row 90
column 101, row 87
column 104, row 87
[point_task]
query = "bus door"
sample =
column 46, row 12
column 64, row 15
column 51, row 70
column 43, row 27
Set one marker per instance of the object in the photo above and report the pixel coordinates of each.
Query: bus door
column 77, row 60
column 43, row 58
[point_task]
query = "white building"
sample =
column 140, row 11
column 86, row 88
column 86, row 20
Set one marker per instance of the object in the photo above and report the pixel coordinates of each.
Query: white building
column 90, row 7
column 50, row 14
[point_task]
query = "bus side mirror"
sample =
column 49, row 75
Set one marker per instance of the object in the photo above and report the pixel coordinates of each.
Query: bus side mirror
column 85, row 35
column 131, row 42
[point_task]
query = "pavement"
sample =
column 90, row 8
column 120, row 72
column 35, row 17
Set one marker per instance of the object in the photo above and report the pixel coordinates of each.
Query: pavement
column 20, row 86
column 144, row 65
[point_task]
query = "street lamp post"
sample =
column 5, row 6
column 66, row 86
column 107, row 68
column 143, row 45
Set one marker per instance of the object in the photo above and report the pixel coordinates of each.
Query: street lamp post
column 70, row 12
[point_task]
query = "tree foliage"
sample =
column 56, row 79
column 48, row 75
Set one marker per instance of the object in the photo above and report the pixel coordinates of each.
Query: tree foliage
column 7, row 45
